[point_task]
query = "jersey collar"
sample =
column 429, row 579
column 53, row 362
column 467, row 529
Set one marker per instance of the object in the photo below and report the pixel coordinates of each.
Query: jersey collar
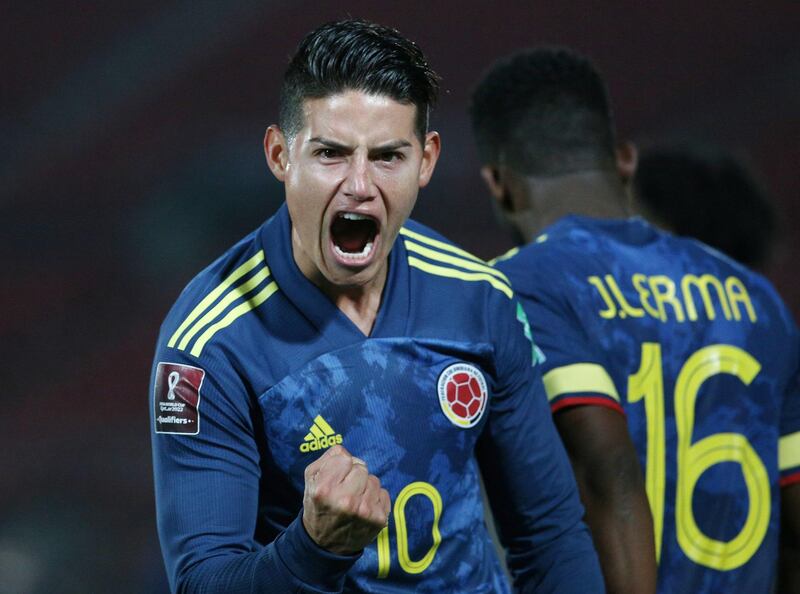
column 392, row 320
column 635, row 230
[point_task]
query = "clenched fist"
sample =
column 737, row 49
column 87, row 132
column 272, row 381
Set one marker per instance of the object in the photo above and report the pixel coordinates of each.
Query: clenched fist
column 344, row 506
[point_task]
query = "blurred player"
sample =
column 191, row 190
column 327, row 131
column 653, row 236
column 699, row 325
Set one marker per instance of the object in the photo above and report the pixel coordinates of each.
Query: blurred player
column 701, row 191
column 321, row 375
column 695, row 351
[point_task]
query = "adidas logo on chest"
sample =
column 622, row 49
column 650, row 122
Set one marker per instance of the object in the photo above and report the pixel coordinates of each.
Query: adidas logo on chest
column 320, row 436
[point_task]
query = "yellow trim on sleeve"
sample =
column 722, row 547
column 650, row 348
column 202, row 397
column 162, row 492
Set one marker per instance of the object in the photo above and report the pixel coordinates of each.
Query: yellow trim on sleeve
column 233, row 315
column 579, row 377
column 789, row 451
column 467, row 264
column 439, row 244
column 212, row 296
column 465, row 276
column 215, row 311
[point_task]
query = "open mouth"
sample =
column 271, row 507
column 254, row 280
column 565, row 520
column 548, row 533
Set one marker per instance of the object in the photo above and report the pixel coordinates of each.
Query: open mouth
column 354, row 236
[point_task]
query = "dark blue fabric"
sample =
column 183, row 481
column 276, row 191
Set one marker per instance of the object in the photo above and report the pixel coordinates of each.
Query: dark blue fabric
column 294, row 368
column 560, row 279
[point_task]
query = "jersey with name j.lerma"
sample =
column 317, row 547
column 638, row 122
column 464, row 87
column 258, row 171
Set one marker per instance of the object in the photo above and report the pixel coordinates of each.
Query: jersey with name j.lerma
column 257, row 373
column 702, row 356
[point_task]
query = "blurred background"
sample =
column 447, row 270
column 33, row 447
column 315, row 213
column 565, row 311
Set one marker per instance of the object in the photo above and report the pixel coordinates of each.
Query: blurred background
column 130, row 158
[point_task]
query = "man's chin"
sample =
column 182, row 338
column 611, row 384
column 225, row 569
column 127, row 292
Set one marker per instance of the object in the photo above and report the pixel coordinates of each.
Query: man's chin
column 349, row 277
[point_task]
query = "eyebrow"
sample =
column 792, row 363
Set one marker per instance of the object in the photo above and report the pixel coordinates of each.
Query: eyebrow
column 389, row 146
column 331, row 143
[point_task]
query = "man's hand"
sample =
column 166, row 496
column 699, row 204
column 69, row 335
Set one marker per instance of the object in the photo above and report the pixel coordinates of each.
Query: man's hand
column 344, row 506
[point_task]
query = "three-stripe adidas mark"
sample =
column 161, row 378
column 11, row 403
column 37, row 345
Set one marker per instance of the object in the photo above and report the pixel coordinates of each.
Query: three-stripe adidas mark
column 224, row 305
column 442, row 259
column 320, row 436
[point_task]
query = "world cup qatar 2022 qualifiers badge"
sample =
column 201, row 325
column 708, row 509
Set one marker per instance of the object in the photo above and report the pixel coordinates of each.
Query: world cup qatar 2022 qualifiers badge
column 177, row 398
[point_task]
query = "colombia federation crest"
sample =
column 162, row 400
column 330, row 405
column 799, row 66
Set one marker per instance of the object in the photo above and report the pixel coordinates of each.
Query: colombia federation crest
column 462, row 394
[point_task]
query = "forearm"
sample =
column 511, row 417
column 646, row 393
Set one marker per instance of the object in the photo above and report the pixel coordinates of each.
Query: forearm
column 612, row 490
column 625, row 548
column 208, row 489
column 292, row 563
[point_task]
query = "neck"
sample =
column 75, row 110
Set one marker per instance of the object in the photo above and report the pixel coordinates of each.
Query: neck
column 359, row 303
column 595, row 193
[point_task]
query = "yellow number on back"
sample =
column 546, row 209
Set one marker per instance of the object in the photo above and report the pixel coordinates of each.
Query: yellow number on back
column 695, row 458
column 648, row 384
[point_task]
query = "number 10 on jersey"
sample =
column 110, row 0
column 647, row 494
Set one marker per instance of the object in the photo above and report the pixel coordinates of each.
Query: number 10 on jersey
column 408, row 564
column 694, row 459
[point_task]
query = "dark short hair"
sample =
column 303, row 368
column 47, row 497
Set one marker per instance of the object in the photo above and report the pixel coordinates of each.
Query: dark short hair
column 362, row 56
column 543, row 111
column 703, row 191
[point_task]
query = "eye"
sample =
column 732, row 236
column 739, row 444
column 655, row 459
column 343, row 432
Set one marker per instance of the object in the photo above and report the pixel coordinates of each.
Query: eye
column 327, row 153
column 390, row 156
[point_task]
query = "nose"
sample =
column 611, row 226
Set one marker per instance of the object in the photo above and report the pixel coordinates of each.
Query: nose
column 359, row 184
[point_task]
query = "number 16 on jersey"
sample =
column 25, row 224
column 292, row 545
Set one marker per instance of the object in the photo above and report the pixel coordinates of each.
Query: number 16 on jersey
column 694, row 459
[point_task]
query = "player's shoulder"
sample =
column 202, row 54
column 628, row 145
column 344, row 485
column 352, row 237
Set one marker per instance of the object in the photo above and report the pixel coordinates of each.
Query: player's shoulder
column 216, row 296
column 704, row 252
column 758, row 286
column 570, row 244
column 439, row 262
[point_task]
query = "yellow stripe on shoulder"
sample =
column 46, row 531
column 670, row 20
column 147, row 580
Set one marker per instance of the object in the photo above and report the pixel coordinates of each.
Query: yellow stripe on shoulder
column 455, row 261
column 461, row 275
column 579, row 377
column 789, row 451
column 212, row 296
column 439, row 244
column 229, row 298
column 509, row 254
column 233, row 315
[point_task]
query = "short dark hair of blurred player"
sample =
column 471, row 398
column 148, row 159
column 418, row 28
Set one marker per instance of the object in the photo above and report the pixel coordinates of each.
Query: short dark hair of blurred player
column 343, row 361
column 567, row 131
column 698, row 352
column 703, row 191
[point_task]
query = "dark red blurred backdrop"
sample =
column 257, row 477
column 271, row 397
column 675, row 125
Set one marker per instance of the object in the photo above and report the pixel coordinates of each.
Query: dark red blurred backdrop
column 130, row 157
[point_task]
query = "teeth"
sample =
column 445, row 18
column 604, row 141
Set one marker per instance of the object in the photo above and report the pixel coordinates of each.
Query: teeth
column 354, row 255
column 352, row 216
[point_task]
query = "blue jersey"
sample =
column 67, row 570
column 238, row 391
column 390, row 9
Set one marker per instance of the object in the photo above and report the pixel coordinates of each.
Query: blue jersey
column 702, row 357
column 257, row 373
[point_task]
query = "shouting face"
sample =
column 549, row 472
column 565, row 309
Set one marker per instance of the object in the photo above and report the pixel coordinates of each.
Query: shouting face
column 351, row 175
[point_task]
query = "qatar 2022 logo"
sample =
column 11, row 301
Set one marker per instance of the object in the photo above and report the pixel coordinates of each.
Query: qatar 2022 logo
column 462, row 394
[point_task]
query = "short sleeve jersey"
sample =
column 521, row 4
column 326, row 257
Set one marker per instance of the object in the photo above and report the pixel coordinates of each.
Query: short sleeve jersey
column 257, row 374
column 702, row 357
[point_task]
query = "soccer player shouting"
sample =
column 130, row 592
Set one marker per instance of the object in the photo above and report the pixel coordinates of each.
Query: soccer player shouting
column 696, row 352
column 324, row 393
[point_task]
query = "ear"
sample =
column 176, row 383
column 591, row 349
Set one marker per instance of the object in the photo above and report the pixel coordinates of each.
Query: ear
column 491, row 177
column 430, row 155
column 276, row 150
column 627, row 160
